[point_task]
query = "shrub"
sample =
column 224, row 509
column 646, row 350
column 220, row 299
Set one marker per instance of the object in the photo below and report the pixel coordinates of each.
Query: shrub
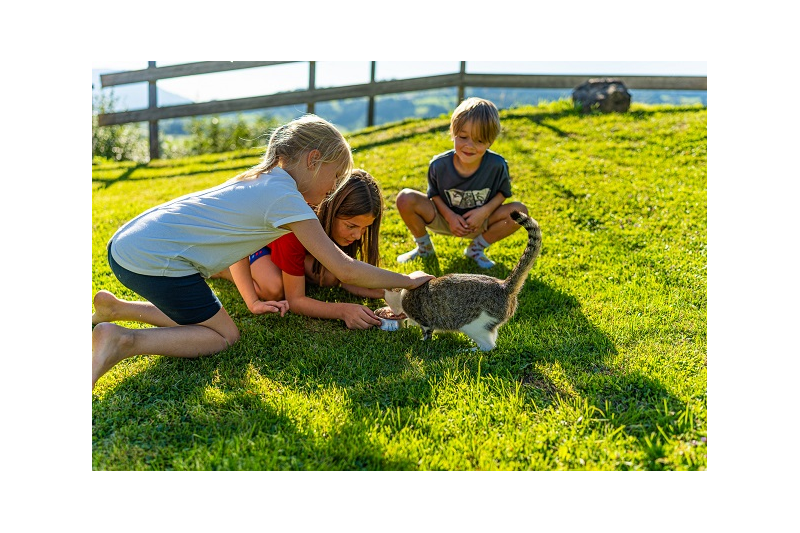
column 204, row 135
column 224, row 134
column 122, row 142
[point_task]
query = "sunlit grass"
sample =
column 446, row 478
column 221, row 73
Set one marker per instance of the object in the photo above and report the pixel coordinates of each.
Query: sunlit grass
column 603, row 367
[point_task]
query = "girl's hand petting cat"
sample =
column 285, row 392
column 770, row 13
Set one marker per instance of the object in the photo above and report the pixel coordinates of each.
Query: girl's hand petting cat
column 418, row 278
column 359, row 317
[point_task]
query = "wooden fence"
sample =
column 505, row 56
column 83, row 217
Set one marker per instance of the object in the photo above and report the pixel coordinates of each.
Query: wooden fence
column 312, row 95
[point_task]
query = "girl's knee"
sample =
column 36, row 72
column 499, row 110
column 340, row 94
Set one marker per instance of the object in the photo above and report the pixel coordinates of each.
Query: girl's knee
column 232, row 337
column 223, row 325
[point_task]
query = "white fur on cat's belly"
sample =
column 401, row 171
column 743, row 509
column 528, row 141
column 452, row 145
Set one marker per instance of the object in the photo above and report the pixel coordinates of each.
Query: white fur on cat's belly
column 476, row 330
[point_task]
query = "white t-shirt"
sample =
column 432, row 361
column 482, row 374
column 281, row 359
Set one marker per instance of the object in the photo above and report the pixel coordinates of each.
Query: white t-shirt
column 207, row 231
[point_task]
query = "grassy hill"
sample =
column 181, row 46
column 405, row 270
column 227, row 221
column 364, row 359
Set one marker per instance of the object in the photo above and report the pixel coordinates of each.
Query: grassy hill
column 603, row 367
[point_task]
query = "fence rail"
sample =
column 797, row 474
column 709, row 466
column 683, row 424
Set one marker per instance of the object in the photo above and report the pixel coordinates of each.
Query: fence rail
column 312, row 95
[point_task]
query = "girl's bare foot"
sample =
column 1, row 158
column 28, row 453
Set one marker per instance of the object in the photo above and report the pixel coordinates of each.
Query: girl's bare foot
column 110, row 345
column 104, row 305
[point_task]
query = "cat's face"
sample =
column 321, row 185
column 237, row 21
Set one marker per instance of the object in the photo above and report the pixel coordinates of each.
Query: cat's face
column 394, row 299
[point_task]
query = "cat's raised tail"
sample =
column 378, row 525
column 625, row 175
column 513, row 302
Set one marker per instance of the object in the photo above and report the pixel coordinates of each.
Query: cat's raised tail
column 519, row 274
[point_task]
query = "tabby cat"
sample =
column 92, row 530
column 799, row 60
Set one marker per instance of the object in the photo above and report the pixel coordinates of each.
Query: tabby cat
column 474, row 304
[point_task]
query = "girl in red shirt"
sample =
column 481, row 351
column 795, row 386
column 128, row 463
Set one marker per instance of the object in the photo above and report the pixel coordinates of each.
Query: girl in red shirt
column 351, row 216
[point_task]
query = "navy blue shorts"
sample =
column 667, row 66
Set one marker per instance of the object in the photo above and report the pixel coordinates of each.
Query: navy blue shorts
column 261, row 253
column 186, row 300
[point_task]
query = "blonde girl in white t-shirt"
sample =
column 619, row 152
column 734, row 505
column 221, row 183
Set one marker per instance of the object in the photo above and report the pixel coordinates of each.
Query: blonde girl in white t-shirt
column 166, row 253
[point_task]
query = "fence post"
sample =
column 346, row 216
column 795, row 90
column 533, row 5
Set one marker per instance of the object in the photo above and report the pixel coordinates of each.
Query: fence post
column 371, row 106
column 152, row 99
column 312, row 72
column 462, row 74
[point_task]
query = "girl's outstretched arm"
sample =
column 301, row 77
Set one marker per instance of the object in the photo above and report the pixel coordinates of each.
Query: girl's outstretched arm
column 354, row 315
column 364, row 293
column 349, row 270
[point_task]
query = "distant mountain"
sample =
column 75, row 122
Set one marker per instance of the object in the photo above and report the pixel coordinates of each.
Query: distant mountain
column 134, row 96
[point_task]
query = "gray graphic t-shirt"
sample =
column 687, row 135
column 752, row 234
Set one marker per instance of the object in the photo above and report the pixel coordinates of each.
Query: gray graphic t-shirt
column 464, row 194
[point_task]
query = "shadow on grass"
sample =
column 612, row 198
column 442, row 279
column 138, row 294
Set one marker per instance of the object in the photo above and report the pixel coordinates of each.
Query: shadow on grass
column 243, row 409
column 233, row 162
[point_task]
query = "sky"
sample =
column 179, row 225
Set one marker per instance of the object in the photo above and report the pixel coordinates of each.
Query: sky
column 278, row 78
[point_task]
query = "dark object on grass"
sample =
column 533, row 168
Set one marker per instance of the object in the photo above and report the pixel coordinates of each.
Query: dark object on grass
column 607, row 95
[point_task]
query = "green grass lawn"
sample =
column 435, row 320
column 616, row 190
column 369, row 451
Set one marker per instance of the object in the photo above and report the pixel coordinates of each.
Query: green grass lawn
column 602, row 368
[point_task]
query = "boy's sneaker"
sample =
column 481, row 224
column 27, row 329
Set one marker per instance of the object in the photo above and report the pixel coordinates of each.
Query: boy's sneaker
column 479, row 257
column 410, row 256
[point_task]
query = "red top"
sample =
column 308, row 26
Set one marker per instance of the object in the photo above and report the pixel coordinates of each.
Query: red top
column 289, row 255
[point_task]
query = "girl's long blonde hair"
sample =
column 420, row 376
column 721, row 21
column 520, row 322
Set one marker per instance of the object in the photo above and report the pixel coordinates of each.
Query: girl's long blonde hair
column 289, row 142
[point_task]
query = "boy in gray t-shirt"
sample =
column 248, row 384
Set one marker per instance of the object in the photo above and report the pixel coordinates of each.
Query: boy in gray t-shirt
column 467, row 188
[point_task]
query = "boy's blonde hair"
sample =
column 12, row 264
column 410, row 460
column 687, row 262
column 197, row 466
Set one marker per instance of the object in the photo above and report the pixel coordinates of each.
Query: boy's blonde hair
column 482, row 114
column 290, row 141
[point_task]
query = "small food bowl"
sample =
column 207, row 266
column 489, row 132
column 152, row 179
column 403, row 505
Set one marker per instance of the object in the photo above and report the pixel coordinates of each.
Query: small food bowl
column 389, row 320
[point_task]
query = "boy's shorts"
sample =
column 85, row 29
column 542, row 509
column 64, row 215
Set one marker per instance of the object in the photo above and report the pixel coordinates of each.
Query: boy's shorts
column 186, row 299
column 440, row 225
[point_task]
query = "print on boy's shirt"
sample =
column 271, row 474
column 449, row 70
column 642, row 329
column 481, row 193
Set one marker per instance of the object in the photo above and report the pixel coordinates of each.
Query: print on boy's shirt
column 467, row 199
